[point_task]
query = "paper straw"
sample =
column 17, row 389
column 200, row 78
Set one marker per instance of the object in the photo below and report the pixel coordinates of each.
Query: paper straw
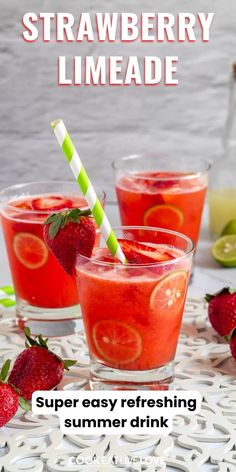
column 87, row 189
column 7, row 296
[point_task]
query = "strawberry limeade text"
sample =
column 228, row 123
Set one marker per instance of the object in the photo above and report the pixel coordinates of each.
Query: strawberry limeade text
column 117, row 27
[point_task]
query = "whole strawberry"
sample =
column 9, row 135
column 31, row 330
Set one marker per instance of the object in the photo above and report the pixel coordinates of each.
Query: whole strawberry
column 233, row 344
column 37, row 368
column 222, row 311
column 8, row 397
column 69, row 233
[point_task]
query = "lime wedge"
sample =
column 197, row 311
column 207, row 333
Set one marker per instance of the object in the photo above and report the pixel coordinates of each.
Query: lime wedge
column 230, row 228
column 224, row 250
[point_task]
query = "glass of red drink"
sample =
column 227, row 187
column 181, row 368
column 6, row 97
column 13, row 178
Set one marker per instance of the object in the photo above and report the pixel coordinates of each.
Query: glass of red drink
column 46, row 297
column 132, row 312
column 162, row 191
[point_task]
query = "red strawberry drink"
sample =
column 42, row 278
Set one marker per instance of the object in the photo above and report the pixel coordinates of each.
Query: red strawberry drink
column 161, row 193
column 44, row 291
column 132, row 313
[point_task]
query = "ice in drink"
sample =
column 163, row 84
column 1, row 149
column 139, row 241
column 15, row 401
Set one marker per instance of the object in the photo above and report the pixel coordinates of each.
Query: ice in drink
column 132, row 313
column 170, row 200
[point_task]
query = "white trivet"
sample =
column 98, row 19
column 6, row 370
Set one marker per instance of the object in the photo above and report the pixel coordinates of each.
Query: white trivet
column 204, row 442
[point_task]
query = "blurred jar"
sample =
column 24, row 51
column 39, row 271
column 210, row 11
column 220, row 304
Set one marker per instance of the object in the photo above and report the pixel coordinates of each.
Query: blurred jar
column 222, row 188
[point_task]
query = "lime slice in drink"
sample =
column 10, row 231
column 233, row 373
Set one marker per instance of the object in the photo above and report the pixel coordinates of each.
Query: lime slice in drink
column 30, row 250
column 224, row 250
column 167, row 297
column 117, row 341
column 164, row 216
column 230, row 228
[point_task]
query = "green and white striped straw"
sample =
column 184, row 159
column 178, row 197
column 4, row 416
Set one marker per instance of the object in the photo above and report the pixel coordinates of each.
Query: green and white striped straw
column 7, row 296
column 87, row 189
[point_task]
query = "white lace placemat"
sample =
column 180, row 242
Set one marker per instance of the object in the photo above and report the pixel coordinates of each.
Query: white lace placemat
column 203, row 442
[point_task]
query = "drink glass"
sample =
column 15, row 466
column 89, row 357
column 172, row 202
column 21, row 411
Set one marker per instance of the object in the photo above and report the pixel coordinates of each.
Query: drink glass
column 46, row 297
column 162, row 191
column 132, row 313
column 222, row 193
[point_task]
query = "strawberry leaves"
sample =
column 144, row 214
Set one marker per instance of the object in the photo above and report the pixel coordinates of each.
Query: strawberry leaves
column 33, row 342
column 208, row 297
column 56, row 222
column 24, row 404
column 4, row 370
column 39, row 341
column 68, row 363
column 59, row 220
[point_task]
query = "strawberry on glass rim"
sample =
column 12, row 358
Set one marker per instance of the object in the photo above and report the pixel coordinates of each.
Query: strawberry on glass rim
column 69, row 233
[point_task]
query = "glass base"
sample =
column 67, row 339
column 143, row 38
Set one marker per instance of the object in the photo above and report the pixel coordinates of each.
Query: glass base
column 107, row 378
column 49, row 321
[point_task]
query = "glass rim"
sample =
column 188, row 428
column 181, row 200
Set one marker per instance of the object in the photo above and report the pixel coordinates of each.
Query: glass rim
column 101, row 194
column 149, row 264
column 117, row 166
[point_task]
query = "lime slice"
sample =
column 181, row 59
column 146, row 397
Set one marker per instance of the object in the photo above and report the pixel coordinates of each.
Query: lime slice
column 224, row 250
column 230, row 228
column 117, row 341
column 168, row 296
column 30, row 250
column 164, row 216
